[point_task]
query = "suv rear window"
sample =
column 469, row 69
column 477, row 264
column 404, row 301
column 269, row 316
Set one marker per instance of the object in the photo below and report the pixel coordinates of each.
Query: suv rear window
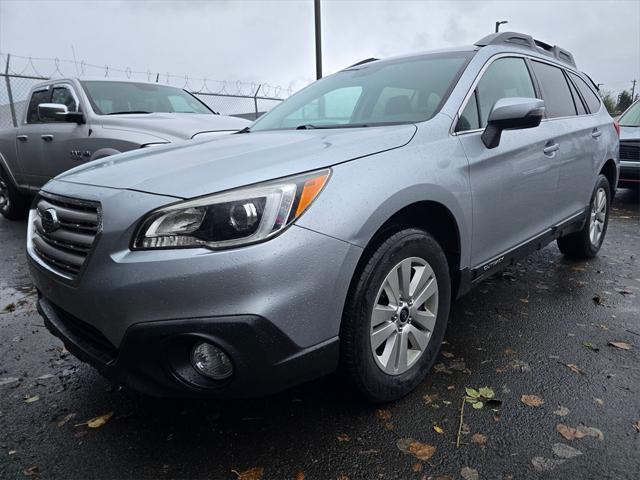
column 558, row 101
column 592, row 99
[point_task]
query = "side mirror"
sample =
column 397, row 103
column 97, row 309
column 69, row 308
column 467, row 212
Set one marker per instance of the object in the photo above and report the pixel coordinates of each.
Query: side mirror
column 512, row 114
column 57, row 112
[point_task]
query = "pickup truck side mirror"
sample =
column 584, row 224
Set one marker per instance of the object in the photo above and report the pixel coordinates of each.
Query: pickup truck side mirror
column 57, row 112
column 512, row 114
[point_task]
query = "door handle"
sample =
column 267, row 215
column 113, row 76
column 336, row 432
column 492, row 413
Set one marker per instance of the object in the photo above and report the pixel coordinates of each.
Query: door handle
column 596, row 133
column 550, row 149
column 22, row 138
column 46, row 138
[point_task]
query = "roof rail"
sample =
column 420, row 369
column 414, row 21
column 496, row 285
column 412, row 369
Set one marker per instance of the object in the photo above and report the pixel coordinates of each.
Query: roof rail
column 527, row 41
column 366, row 60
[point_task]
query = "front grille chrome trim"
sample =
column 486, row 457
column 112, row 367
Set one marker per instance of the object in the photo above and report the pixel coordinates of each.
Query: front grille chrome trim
column 66, row 250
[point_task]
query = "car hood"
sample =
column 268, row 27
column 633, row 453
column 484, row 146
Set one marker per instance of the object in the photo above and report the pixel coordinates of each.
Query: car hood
column 191, row 169
column 173, row 126
column 629, row 133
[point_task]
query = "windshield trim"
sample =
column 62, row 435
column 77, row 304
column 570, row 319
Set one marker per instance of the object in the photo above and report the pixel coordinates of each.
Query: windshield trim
column 99, row 112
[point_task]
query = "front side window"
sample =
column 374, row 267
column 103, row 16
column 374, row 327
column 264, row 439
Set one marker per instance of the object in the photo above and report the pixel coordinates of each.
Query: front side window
column 405, row 90
column 558, row 101
column 592, row 99
column 110, row 98
column 63, row 95
column 631, row 117
column 504, row 78
column 38, row 97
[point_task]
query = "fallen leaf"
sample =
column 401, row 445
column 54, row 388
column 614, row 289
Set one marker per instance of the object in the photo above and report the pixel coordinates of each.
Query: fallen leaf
column 469, row 473
column 568, row 432
column 565, row 451
column 430, row 398
column 8, row 380
column 30, row 471
column 62, row 422
column 343, row 437
column 444, row 477
column 300, row 475
column 479, row 439
column 383, row 415
column 472, row 392
column 486, row 392
column 509, row 351
column 590, row 432
column 438, row 429
column 561, row 412
column 441, row 368
column 421, row 451
column 621, row 345
column 637, row 426
column 342, row 476
column 578, row 269
column 32, row 399
column 574, row 368
column 254, row 473
column 9, row 308
column 590, row 346
column 98, row 422
column 598, row 300
column 524, row 300
column 447, row 354
column 531, row 400
column 542, row 464
column 598, row 401
column 416, row 467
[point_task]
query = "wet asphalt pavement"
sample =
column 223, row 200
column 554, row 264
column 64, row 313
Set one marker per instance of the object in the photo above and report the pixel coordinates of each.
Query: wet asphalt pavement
column 541, row 328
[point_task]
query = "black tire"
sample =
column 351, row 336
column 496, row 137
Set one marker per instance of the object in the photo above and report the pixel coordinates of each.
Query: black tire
column 578, row 245
column 357, row 355
column 13, row 204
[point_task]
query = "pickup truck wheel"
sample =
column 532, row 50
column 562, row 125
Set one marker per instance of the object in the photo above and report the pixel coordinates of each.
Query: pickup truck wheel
column 13, row 204
column 586, row 243
column 395, row 316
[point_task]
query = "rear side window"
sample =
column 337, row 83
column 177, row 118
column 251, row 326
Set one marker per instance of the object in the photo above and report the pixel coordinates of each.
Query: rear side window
column 577, row 100
column 38, row 97
column 558, row 101
column 505, row 78
column 592, row 99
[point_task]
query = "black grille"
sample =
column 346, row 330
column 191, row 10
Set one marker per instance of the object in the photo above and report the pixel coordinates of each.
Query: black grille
column 88, row 336
column 630, row 151
column 63, row 232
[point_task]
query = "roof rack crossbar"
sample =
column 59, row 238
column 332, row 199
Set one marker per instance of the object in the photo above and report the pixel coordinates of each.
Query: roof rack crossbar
column 527, row 41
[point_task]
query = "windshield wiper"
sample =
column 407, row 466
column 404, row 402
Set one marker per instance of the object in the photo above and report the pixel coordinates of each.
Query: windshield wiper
column 309, row 126
column 244, row 130
column 127, row 112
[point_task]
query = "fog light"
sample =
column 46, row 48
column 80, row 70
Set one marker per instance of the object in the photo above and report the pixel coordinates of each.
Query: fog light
column 211, row 361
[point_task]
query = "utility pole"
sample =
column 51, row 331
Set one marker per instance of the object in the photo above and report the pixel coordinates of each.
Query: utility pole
column 498, row 23
column 316, row 9
column 633, row 90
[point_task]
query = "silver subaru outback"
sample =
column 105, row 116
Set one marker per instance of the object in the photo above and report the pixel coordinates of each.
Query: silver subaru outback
column 332, row 233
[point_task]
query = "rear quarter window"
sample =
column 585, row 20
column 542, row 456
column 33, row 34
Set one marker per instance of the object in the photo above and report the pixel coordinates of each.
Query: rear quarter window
column 592, row 99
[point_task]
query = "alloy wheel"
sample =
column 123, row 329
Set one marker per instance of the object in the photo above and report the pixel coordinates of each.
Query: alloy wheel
column 404, row 315
column 4, row 195
column 598, row 216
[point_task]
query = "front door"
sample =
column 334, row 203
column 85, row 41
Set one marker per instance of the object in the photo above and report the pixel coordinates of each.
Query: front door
column 29, row 141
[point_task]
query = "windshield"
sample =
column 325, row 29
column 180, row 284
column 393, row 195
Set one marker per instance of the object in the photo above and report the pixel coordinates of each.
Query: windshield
column 108, row 98
column 406, row 90
column 631, row 118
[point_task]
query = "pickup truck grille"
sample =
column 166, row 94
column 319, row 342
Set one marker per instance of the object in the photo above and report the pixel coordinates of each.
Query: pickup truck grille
column 63, row 233
column 630, row 151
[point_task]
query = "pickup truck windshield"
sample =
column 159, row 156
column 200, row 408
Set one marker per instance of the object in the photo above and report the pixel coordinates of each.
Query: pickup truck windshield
column 632, row 117
column 404, row 90
column 109, row 98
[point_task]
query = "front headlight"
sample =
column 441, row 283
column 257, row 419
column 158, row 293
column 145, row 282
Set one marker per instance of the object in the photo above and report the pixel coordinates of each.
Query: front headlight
column 238, row 217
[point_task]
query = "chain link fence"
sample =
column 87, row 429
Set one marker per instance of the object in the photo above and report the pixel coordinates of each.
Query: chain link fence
column 19, row 74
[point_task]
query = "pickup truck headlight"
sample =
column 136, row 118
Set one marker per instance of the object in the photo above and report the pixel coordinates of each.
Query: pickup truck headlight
column 238, row 217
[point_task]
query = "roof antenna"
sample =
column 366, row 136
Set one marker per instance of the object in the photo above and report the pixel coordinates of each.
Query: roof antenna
column 157, row 77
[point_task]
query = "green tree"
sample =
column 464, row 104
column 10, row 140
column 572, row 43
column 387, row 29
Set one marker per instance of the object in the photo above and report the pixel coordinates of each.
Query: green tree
column 609, row 102
column 624, row 101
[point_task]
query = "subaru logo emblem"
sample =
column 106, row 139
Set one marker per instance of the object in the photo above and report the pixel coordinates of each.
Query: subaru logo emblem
column 50, row 221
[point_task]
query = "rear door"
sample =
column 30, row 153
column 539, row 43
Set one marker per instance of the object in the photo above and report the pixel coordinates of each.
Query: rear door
column 29, row 140
column 572, row 135
column 514, row 185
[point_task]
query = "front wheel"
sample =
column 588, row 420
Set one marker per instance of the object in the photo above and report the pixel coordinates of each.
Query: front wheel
column 586, row 243
column 13, row 204
column 396, row 316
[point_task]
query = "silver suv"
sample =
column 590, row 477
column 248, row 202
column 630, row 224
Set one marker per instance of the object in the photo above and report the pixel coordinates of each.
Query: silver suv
column 335, row 232
column 68, row 122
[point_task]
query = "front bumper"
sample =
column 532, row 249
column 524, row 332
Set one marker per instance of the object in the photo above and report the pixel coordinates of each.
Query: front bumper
column 629, row 173
column 153, row 356
column 275, row 307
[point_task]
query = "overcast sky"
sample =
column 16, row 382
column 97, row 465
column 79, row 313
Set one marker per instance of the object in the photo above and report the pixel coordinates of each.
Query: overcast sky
column 272, row 41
